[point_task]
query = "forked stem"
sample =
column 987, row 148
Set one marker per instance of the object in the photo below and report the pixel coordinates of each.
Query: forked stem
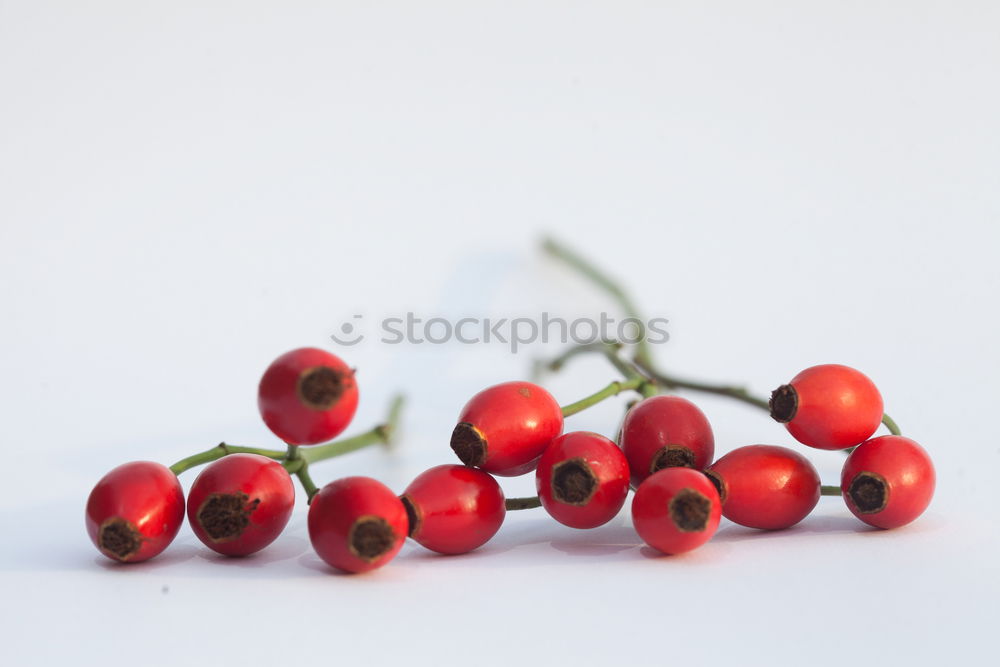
column 296, row 460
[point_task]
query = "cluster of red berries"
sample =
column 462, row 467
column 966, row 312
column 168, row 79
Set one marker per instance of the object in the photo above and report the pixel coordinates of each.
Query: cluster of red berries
column 242, row 501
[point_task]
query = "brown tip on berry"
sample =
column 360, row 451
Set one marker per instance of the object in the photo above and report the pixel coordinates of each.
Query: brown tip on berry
column 717, row 482
column 119, row 538
column 689, row 510
column 573, row 482
column 370, row 537
column 672, row 456
column 320, row 387
column 468, row 444
column 869, row 492
column 225, row 516
column 784, row 403
column 412, row 516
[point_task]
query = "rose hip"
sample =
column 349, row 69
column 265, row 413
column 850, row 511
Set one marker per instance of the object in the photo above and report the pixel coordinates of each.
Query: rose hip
column 888, row 481
column 505, row 428
column 307, row 396
column 582, row 479
column 453, row 509
column 765, row 487
column 676, row 510
column 240, row 503
column 135, row 511
column 357, row 524
column 828, row 407
column 666, row 431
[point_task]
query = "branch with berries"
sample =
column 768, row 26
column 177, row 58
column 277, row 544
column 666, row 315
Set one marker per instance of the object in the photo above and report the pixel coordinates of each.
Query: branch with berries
column 665, row 451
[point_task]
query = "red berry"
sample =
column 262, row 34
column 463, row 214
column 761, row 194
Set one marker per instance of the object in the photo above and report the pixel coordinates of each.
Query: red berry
column 453, row 509
column 765, row 487
column 888, row 481
column 582, row 479
column 676, row 510
column 357, row 524
column 135, row 511
column 828, row 407
column 307, row 396
column 505, row 428
column 240, row 504
column 663, row 432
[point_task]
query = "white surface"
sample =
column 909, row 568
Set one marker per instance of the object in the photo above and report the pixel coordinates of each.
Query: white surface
column 189, row 189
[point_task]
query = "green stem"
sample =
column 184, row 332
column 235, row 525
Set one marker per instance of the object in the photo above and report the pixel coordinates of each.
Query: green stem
column 522, row 503
column 307, row 483
column 739, row 393
column 295, row 459
column 217, row 452
column 891, row 425
column 606, row 283
column 649, row 389
column 613, row 389
column 825, row 490
column 383, row 433
column 586, row 348
column 642, row 357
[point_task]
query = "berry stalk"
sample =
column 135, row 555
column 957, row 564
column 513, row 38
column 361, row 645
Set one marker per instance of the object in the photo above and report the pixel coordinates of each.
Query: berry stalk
column 380, row 434
column 891, row 425
column 635, row 382
column 528, row 503
column 642, row 361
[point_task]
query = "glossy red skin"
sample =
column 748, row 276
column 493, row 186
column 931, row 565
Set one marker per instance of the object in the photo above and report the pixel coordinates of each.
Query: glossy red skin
column 906, row 468
column 336, row 507
column 605, row 460
column 767, row 487
column 284, row 411
column 660, row 421
column 459, row 508
column 261, row 479
column 518, row 421
column 144, row 493
column 838, row 407
column 650, row 510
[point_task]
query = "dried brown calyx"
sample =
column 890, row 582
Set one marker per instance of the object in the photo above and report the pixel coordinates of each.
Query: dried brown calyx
column 672, row 456
column 689, row 510
column 321, row 387
column 573, row 482
column 784, row 403
column 370, row 537
column 120, row 538
column 225, row 516
column 869, row 492
column 469, row 444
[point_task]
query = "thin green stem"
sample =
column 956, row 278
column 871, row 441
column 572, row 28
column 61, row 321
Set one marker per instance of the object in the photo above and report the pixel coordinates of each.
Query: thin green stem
column 612, row 389
column 217, row 452
column 738, row 393
column 522, row 503
column 642, row 357
column 603, row 347
column 609, row 285
column 294, row 458
column 649, row 389
column 891, row 425
column 307, row 483
column 383, row 433
column 825, row 490
column 293, row 461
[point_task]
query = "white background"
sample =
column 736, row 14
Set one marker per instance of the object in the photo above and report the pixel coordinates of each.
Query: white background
column 189, row 189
